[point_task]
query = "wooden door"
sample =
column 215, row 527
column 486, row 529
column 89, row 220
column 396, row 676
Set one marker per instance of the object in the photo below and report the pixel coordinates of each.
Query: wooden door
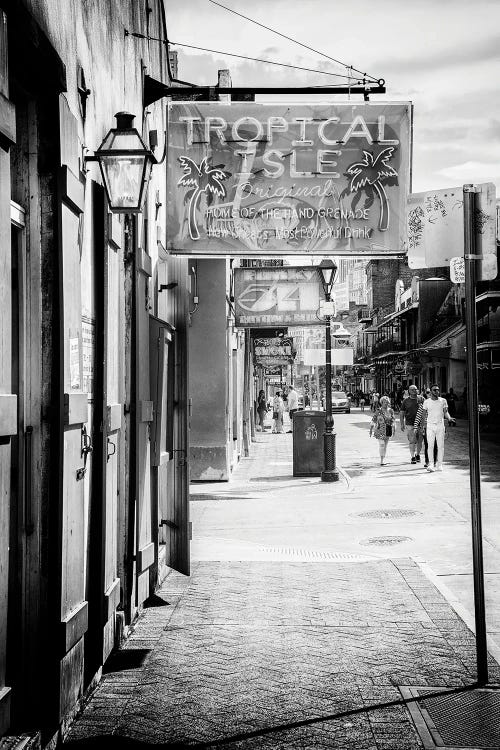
column 8, row 428
column 113, row 425
column 103, row 583
column 73, row 605
column 145, row 548
column 162, row 395
column 8, row 400
column 175, row 511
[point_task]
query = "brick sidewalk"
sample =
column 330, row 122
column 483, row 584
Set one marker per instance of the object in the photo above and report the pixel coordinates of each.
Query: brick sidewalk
column 279, row 654
column 285, row 655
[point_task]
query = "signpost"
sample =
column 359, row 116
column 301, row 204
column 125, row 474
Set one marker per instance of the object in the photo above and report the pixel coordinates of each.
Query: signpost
column 472, row 231
column 261, row 179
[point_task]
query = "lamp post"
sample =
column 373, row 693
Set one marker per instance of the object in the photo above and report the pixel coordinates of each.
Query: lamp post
column 327, row 270
column 125, row 163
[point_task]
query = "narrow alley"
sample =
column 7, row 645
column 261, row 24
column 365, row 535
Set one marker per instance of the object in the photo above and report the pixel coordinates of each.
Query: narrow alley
column 312, row 611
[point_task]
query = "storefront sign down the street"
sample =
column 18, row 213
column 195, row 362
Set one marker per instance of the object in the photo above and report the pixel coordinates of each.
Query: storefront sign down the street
column 249, row 179
column 435, row 229
column 274, row 297
column 273, row 351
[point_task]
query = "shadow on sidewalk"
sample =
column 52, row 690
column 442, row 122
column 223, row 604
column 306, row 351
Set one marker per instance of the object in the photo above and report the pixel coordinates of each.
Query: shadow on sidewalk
column 116, row 742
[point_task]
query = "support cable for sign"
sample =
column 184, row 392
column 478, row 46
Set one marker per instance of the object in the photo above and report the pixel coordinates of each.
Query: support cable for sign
column 295, row 41
column 266, row 62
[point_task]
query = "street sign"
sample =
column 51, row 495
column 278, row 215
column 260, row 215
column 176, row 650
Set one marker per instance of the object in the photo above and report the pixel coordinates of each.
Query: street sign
column 271, row 297
column 327, row 308
column 339, row 357
column 457, row 270
column 250, row 178
column 435, row 228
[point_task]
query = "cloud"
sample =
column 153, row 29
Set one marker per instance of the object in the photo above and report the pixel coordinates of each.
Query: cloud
column 483, row 50
column 269, row 51
column 472, row 171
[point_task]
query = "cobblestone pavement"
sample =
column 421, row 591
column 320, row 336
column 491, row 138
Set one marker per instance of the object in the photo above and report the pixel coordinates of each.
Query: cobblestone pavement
column 277, row 653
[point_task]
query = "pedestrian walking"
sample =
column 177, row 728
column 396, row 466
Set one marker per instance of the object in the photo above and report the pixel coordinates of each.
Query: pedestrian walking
column 407, row 415
column 261, row 409
column 420, row 424
column 375, row 400
column 451, row 400
column 278, row 409
column 437, row 411
column 382, row 426
column 362, row 401
column 293, row 404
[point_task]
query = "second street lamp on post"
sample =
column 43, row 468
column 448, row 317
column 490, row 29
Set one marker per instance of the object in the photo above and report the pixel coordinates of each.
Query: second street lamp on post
column 327, row 270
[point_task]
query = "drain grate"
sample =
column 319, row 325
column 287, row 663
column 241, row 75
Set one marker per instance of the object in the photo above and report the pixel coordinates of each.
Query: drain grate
column 296, row 553
column 453, row 720
column 388, row 513
column 385, row 541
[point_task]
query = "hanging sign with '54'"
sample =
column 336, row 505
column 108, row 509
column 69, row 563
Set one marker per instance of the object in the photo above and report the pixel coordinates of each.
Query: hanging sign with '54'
column 273, row 297
column 258, row 179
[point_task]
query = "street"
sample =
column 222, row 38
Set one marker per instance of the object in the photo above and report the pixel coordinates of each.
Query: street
column 311, row 608
column 428, row 515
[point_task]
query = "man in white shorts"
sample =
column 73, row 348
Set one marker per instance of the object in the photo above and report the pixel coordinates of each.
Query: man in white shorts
column 437, row 411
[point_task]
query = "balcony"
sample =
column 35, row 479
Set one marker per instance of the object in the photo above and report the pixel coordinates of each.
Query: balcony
column 365, row 315
column 389, row 345
column 487, row 333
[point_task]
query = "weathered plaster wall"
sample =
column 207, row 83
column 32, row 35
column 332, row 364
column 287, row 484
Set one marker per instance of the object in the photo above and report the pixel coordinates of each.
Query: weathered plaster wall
column 209, row 374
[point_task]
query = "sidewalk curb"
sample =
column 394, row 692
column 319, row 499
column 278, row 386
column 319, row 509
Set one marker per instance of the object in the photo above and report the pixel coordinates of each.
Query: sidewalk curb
column 460, row 609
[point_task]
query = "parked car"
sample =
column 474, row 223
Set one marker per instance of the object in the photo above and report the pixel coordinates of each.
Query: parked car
column 340, row 402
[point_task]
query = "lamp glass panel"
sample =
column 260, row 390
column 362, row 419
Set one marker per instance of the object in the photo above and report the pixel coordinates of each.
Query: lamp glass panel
column 327, row 275
column 118, row 140
column 124, row 180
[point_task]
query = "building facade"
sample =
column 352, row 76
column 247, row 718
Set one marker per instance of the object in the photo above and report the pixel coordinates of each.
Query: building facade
column 95, row 406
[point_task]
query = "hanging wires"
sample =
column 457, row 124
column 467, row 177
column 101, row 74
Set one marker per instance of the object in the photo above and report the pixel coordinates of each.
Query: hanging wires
column 258, row 59
column 291, row 39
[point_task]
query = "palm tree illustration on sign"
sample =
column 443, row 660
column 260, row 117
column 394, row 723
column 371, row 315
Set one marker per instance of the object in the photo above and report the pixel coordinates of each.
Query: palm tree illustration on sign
column 201, row 179
column 369, row 175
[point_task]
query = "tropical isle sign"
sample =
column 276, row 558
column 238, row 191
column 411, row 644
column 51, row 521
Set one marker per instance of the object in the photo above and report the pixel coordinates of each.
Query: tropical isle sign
column 257, row 179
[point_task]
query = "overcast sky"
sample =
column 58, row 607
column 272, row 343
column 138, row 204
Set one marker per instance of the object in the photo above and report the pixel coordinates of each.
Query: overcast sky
column 443, row 55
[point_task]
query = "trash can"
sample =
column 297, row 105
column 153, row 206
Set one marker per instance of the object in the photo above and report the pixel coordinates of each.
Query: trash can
column 308, row 429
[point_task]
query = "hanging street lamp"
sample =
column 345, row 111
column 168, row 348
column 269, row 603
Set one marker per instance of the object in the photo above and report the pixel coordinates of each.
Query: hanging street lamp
column 327, row 271
column 125, row 162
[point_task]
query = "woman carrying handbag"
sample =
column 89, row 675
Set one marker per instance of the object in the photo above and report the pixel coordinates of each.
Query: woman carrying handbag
column 382, row 426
